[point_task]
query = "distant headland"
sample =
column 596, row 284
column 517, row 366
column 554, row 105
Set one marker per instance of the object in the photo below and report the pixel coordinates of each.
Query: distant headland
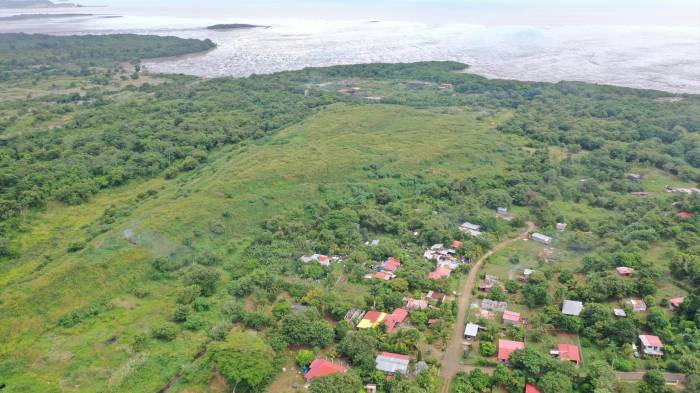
column 17, row 4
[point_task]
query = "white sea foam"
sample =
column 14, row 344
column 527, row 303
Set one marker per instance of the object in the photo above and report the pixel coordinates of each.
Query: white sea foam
column 643, row 56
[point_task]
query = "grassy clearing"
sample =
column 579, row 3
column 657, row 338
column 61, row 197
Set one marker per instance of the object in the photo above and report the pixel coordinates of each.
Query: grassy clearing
column 255, row 182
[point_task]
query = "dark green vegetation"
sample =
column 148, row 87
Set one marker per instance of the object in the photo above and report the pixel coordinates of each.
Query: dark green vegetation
column 39, row 56
column 151, row 234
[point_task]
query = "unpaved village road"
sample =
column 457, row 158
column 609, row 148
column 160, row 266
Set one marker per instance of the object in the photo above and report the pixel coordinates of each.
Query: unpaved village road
column 453, row 352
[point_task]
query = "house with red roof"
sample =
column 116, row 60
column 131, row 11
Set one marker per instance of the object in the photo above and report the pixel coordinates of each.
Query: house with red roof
column 511, row 317
column 531, row 389
column 651, row 345
column 439, row 273
column 569, row 352
column 390, row 265
column 624, row 271
column 675, row 303
column 456, row 244
column 416, row 304
column 686, row 215
column 395, row 319
column 506, row 347
column 321, row 368
column 371, row 319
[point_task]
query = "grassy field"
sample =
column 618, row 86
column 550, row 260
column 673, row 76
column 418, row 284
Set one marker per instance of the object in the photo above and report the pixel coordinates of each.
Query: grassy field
column 254, row 182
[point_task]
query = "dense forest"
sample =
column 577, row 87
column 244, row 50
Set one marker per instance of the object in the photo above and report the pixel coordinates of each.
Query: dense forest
column 161, row 234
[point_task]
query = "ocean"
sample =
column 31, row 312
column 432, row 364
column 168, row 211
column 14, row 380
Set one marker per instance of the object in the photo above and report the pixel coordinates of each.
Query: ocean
column 643, row 44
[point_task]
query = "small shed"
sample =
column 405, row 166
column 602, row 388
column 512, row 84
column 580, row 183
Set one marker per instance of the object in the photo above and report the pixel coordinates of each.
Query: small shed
column 471, row 331
column 572, row 307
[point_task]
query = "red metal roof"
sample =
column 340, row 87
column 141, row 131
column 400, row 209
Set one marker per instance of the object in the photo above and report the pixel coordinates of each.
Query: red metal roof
column 439, row 273
column 398, row 316
column 391, row 264
column 651, row 341
column 569, row 352
column 372, row 316
column 320, row 368
column 685, row 215
column 394, row 355
column 456, row 244
column 506, row 347
column 676, row 301
column 511, row 316
column 531, row 389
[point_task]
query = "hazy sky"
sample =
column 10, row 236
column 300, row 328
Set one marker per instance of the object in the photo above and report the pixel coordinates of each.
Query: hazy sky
column 554, row 12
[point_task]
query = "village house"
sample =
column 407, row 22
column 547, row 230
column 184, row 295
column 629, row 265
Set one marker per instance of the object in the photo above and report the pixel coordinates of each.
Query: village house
column 439, row 273
column 416, row 304
column 321, row 368
column 675, row 303
column 371, row 319
column 472, row 229
column 486, row 285
column 506, row 347
column 540, row 238
column 471, row 331
column 651, row 345
column 445, row 86
column 511, row 318
column 684, row 215
column 395, row 319
column 531, row 389
column 433, row 296
column 637, row 305
column 572, row 307
column 492, row 305
column 392, row 363
column 561, row 226
column 619, row 312
column 624, row 271
column 390, row 265
column 568, row 352
column 371, row 388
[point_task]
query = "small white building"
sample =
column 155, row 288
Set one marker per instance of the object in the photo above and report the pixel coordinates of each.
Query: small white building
column 561, row 227
column 651, row 345
column 540, row 238
column 472, row 229
column 637, row 305
column 572, row 307
column 471, row 331
column 619, row 312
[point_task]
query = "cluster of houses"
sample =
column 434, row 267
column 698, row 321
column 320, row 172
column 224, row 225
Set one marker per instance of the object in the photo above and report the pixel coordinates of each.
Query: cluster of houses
column 386, row 270
column 386, row 362
column 446, row 260
column 323, row 260
column 651, row 345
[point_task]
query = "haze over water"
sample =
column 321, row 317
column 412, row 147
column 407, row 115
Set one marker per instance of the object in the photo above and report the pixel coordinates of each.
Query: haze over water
column 646, row 44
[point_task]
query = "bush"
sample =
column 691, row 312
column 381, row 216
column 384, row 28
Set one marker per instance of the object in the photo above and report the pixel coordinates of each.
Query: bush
column 304, row 358
column 487, row 349
column 166, row 331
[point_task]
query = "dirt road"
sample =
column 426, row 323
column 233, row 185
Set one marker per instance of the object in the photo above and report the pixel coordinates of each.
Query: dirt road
column 453, row 353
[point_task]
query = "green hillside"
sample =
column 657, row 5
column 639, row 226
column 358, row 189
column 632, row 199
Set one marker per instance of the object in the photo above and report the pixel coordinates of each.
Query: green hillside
column 144, row 223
